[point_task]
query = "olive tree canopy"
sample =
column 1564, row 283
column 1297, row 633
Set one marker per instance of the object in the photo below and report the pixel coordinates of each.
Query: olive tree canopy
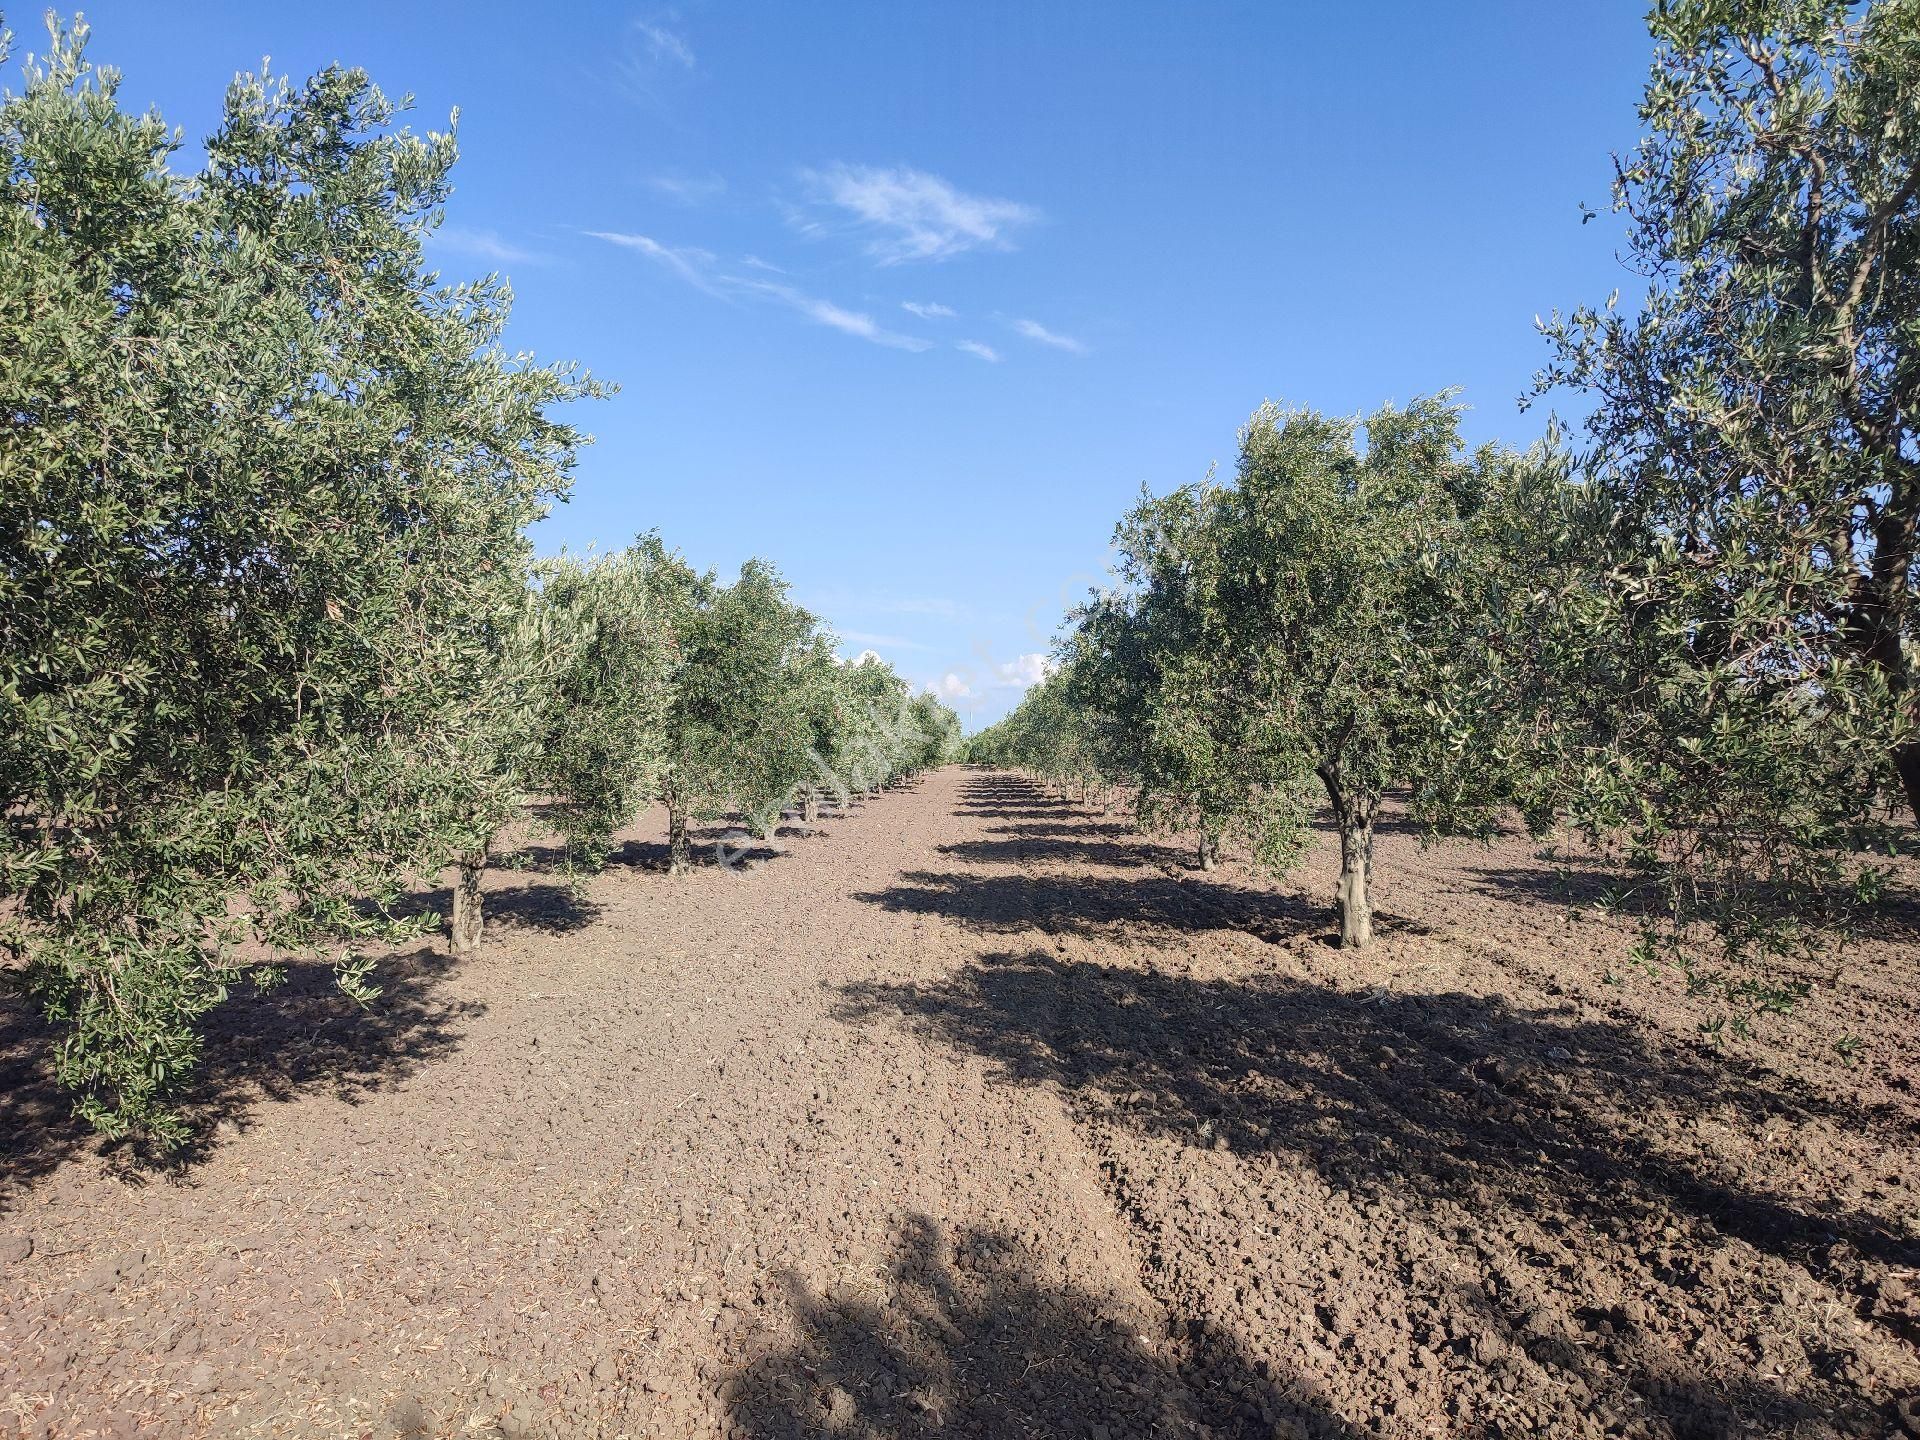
column 263, row 483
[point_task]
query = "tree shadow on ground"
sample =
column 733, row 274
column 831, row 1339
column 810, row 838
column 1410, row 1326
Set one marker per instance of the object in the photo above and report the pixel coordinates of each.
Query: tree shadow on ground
column 1007, row 798
column 714, row 848
column 1067, row 904
column 1110, row 829
column 302, row 1037
column 965, row 1341
column 1893, row 919
column 550, row 906
column 1579, row 885
column 1438, row 1103
column 1113, row 852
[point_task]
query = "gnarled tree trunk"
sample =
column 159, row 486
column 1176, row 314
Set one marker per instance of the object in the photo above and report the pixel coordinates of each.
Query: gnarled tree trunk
column 1875, row 624
column 1209, row 850
column 679, row 855
column 1353, row 812
column 465, row 924
column 809, row 806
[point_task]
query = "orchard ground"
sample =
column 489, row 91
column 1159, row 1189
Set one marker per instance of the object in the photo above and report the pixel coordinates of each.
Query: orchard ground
column 974, row 1113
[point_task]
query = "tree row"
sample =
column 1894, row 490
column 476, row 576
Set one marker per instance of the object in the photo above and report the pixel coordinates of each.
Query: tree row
column 1689, row 639
column 275, row 650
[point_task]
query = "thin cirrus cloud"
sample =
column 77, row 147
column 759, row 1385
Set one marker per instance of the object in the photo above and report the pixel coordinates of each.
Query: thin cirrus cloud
column 662, row 42
column 654, row 60
column 483, row 245
column 688, row 190
column 825, row 312
column 975, row 348
column 928, row 311
column 907, row 214
column 1040, row 335
column 701, row 270
column 691, row 265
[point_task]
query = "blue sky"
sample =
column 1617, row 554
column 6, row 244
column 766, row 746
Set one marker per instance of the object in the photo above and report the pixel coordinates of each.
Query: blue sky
column 913, row 299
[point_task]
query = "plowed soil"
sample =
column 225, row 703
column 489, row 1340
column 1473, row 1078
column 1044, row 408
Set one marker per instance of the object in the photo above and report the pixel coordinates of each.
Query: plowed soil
column 973, row 1113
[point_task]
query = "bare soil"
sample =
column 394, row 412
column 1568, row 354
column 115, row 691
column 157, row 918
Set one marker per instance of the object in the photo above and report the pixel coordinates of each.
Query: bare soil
column 976, row 1114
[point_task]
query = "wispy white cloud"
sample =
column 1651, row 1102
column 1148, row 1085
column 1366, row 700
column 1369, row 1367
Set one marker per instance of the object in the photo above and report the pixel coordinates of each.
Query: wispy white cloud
column 701, row 269
column 908, row 214
column 662, row 42
column 653, row 60
column 974, row 347
column 483, row 244
column 825, row 312
column 1039, row 333
column 755, row 262
column 691, row 265
column 688, row 190
column 928, row 311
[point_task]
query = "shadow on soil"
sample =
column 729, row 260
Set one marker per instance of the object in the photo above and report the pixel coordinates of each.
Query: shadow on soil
column 303, row 1037
column 1120, row 854
column 1423, row 1096
column 1548, row 1133
column 709, row 852
column 552, row 907
column 968, row 1342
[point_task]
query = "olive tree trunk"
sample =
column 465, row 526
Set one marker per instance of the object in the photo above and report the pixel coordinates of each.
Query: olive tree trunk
column 1874, row 624
column 679, row 854
column 466, row 922
column 1353, row 812
column 809, row 806
column 1209, row 850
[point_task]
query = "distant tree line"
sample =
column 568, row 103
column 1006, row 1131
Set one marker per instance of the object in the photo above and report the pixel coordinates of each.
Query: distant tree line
column 1693, row 637
column 275, row 648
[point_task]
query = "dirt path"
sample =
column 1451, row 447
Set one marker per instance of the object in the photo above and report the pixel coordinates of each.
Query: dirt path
column 975, row 1115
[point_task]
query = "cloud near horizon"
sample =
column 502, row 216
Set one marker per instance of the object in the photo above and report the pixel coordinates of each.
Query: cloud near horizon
column 1022, row 672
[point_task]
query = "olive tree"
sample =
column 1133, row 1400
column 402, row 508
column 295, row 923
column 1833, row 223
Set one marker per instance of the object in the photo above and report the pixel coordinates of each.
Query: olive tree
column 933, row 734
column 1143, row 670
column 736, row 728
column 1301, row 620
column 601, row 743
column 263, row 487
column 1732, row 697
column 864, row 727
column 872, row 742
column 577, row 717
column 1056, row 733
column 1756, row 415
